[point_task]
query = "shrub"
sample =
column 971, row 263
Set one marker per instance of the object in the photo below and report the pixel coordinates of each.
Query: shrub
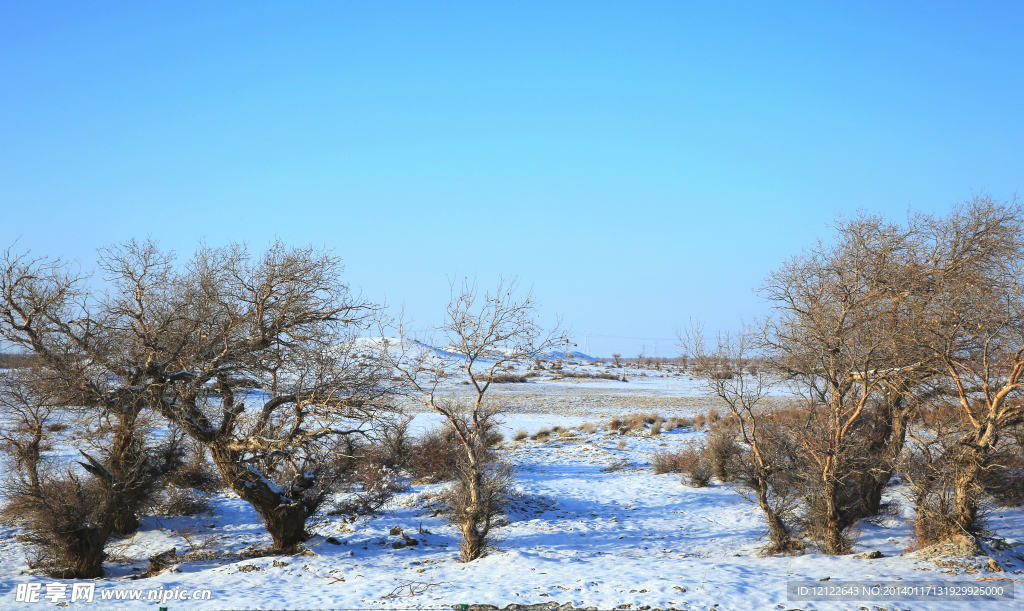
column 614, row 424
column 436, row 455
column 721, row 453
column 182, row 502
column 699, row 421
column 68, row 522
column 656, row 428
column 542, row 434
column 588, row 427
column 695, row 467
column 666, row 462
column 621, row 445
column 520, row 435
column 509, row 378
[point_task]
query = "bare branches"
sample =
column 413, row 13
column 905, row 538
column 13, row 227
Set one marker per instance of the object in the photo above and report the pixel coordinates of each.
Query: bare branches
column 481, row 334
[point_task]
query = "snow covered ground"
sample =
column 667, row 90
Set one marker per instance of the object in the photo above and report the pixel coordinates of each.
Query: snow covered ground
column 592, row 526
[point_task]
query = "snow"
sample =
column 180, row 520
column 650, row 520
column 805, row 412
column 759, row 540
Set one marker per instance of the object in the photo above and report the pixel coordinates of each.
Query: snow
column 591, row 526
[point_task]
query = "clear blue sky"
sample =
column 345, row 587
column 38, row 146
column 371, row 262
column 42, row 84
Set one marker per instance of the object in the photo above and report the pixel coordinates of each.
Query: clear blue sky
column 639, row 163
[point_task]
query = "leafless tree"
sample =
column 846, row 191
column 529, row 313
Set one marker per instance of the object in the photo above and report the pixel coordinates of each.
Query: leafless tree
column 481, row 335
column 617, row 357
column 27, row 416
column 836, row 332
column 972, row 325
column 250, row 356
column 746, row 395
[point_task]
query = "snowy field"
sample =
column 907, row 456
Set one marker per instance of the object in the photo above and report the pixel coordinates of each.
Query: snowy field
column 592, row 526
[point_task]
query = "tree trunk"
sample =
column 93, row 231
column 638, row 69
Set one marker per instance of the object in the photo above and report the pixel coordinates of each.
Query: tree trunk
column 967, row 487
column 129, row 469
column 782, row 541
column 85, row 552
column 285, row 519
column 885, row 449
column 832, row 525
column 286, row 525
column 473, row 537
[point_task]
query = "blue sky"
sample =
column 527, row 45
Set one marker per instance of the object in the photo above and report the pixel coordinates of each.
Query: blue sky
column 638, row 163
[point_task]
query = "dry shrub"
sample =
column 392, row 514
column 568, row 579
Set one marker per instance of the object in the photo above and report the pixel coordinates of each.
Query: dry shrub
column 621, row 445
column 713, row 416
column 636, row 421
column 588, row 427
column 56, row 427
column 436, row 456
column 542, row 434
column 509, row 378
column 666, row 461
column 656, row 428
column 367, row 489
column 722, row 453
column 695, row 466
column 199, row 475
column 520, row 435
column 68, row 521
column 182, row 502
column 614, row 424
column 699, row 421
column 394, row 446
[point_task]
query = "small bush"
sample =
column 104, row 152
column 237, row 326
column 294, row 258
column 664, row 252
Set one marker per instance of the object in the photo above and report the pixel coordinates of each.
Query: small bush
column 588, row 428
column 695, row 466
column 509, row 378
column 614, row 424
column 68, row 522
column 666, row 462
column 436, row 456
column 183, row 502
column 722, row 453
column 621, row 445
column 197, row 474
column 656, row 428
column 699, row 421
column 520, row 435
column 542, row 434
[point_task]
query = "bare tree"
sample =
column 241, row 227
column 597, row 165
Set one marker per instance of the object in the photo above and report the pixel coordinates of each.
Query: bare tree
column 617, row 357
column 839, row 314
column 250, row 357
column 481, row 335
column 972, row 325
column 26, row 418
column 745, row 396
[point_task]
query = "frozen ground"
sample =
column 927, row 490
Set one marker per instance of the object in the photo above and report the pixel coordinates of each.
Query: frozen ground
column 592, row 526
